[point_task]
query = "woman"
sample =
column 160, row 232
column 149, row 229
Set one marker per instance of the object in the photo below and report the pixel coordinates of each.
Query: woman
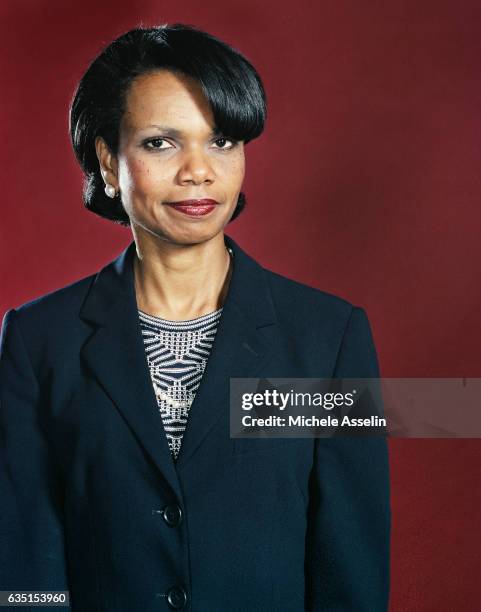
column 120, row 481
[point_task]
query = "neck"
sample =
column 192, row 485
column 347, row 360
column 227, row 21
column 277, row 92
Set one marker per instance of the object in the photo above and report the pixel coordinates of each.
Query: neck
column 178, row 282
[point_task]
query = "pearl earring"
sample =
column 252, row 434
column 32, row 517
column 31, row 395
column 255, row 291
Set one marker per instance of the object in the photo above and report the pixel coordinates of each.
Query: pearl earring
column 110, row 190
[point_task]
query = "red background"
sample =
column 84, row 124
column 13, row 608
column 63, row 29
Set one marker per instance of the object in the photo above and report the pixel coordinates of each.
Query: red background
column 371, row 158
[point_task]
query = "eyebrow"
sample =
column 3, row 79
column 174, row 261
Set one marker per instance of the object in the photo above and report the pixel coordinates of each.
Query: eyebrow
column 173, row 132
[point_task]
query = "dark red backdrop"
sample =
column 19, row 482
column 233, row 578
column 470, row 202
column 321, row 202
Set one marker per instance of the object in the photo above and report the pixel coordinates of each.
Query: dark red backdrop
column 372, row 153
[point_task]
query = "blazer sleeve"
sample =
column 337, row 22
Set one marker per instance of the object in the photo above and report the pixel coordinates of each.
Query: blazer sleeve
column 32, row 555
column 349, row 516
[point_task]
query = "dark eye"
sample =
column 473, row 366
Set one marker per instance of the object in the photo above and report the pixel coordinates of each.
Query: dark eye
column 224, row 143
column 157, row 143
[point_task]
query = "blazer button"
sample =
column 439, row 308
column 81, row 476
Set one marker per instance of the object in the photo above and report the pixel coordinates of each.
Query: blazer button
column 176, row 597
column 172, row 515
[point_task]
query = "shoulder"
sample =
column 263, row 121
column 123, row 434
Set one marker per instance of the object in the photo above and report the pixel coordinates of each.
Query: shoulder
column 299, row 298
column 52, row 308
column 322, row 328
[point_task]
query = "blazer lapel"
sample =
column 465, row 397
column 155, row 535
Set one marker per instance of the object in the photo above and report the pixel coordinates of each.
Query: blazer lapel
column 241, row 346
column 116, row 356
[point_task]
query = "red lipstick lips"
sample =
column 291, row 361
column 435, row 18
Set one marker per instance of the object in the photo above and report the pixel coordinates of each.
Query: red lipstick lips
column 194, row 208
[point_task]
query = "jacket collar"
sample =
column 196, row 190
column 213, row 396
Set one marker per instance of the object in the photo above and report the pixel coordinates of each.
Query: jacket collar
column 116, row 356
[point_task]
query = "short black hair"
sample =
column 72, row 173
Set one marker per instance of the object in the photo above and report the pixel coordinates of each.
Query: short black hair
column 228, row 80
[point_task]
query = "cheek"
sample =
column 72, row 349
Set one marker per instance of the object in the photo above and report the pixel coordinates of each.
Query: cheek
column 234, row 170
column 139, row 176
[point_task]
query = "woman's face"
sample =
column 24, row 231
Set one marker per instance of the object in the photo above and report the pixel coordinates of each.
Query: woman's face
column 168, row 152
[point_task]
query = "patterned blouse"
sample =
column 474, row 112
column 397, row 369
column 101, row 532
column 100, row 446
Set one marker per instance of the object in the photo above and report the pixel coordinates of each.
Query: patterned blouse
column 177, row 353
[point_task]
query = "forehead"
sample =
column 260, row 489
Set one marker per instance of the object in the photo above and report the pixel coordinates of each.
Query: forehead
column 164, row 97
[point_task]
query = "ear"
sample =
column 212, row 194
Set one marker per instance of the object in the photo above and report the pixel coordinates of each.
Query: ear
column 108, row 163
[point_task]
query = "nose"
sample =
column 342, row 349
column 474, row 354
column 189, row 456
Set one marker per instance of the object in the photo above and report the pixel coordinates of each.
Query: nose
column 195, row 168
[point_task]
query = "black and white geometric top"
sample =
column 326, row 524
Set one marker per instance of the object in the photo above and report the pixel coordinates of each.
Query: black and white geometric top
column 177, row 353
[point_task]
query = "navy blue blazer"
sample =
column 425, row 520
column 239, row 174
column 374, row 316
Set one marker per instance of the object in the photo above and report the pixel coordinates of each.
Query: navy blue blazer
column 93, row 503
